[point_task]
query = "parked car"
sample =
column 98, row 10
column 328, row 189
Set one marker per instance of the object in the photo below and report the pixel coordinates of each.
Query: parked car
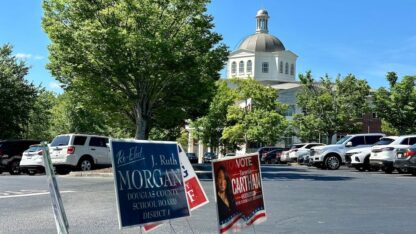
column 264, row 156
column 332, row 156
column 301, row 149
column 360, row 158
column 284, row 157
column 229, row 155
column 11, row 153
column 209, row 156
column 32, row 160
column 384, row 156
column 79, row 151
column 274, row 156
column 192, row 157
column 406, row 159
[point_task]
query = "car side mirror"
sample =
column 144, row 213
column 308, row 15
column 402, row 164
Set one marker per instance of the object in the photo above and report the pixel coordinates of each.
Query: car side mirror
column 349, row 144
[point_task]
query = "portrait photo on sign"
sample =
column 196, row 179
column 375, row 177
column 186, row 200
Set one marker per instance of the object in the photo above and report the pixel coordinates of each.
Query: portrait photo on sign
column 238, row 192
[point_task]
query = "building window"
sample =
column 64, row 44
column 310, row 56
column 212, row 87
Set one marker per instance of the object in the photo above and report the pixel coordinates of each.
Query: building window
column 281, row 67
column 249, row 66
column 375, row 115
column 265, row 67
column 233, row 67
column 292, row 69
column 287, row 68
column 241, row 67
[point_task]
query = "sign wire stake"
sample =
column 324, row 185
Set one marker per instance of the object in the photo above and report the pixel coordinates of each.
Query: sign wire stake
column 171, row 228
column 190, row 226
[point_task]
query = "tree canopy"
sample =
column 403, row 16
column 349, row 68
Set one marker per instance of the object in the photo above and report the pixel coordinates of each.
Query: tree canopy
column 17, row 95
column 154, row 61
column 397, row 105
column 330, row 107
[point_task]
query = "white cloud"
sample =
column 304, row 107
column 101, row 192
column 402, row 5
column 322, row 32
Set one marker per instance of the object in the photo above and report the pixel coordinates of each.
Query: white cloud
column 55, row 85
column 23, row 56
column 38, row 57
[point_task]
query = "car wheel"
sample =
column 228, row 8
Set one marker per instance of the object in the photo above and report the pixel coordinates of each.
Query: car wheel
column 14, row 168
column 413, row 172
column 403, row 170
column 332, row 162
column 85, row 164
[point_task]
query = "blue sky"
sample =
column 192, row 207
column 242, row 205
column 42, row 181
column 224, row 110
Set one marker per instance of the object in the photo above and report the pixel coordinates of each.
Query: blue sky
column 365, row 38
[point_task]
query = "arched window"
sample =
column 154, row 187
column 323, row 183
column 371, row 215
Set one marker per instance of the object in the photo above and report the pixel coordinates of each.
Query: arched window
column 281, row 67
column 233, row 67
column 241, row 67
column 249, row 66
column 287, row 68
column 292, row 69
column 265, row 67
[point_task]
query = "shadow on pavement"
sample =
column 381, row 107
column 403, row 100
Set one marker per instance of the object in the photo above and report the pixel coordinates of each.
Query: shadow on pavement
column 276, row 173
column 295, row 176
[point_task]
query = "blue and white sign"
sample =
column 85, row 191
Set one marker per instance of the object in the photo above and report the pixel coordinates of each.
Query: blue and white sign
column 148, row 182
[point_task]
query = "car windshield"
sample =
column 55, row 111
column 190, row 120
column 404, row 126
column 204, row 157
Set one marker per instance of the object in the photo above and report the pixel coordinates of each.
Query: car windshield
column 60, row 140
column 384, row 141
column 342, row 140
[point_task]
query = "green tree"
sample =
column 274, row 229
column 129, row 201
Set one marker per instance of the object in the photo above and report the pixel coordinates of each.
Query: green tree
column 74, row 113
column 329, row 108
column 17, row 95
column 258, row 117
column 156, row 61
column 40, row 117
column 397, row 104
column 209, row 128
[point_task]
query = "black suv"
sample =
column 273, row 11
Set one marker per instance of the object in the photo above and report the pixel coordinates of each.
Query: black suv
column 11, row 153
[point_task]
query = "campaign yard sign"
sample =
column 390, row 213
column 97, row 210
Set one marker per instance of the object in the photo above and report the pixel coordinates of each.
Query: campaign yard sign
column 148, row 182
column 194, row 192
column 239, row 192
column 61, row 220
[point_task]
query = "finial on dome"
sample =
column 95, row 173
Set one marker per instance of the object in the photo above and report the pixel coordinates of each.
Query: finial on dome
column 261, row 20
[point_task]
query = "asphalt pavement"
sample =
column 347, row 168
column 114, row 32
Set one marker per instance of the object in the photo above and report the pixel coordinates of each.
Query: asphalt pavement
column 298, row 200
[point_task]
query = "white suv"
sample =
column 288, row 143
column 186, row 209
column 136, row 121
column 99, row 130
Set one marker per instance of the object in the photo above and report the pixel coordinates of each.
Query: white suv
column 79, row 151
column 360, row 158
column 301, row 149
column 384, row 156
column 332, row 156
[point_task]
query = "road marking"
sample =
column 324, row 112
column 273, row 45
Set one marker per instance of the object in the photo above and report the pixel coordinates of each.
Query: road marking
column 31, row 194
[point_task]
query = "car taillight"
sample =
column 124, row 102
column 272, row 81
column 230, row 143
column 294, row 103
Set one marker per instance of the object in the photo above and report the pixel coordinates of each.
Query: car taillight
column 409, row 153
column 387, row 149
column 70, row 150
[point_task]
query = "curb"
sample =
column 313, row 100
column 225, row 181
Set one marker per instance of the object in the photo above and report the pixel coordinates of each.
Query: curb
column 90, row 174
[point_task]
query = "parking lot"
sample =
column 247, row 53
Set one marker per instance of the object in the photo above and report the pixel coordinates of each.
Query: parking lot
column 298, row 200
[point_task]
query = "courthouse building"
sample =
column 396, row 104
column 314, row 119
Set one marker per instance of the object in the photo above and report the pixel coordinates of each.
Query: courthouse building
column 264, row 57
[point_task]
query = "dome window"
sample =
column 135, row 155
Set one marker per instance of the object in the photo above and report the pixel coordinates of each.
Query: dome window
column 265, row 67
column 281, row 67
column 249, row 66
column 287, row 68
column 241, row 68
column 292, row 69
column 233, row 67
